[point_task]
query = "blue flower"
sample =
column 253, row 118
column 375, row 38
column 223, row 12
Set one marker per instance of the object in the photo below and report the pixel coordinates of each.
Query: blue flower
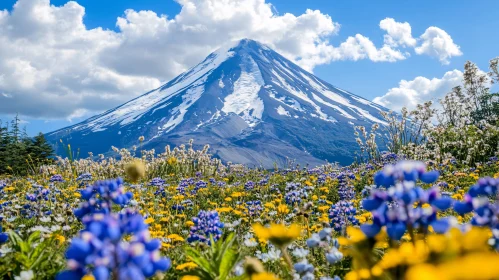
column 207, row 224
column 334, row 256
column 342, row 214
column 56, row 178
column 100, row 196
column 101, row 250
column 400, row 206
column 314, row 241
column 157, row 182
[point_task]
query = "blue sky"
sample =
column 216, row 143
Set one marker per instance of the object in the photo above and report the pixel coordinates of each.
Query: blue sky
column 472, row 25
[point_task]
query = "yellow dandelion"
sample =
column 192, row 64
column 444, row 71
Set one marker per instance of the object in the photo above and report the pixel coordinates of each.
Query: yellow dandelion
column 190, row 277
column 278, row 234
column 282, row 209
column 187, row 265
column 175, row 237
column 264, row 276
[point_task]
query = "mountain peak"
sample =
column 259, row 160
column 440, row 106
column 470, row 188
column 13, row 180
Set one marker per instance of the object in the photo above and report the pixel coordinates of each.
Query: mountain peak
column 248, row 102
column 241, row 45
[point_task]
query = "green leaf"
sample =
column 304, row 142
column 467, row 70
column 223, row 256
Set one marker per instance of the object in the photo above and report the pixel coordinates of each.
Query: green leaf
column 35, row 236
column 14, row 238
column 228, row 262
column 198, row 259
column 225, row 251
column 39, row 253
column 19, row 244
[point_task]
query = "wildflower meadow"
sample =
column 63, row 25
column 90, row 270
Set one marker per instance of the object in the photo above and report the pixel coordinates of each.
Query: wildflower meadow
column 420, row 202
column 184, row 215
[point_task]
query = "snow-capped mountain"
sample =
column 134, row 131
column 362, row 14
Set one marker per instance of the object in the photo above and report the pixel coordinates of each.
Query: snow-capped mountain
column 251, row 104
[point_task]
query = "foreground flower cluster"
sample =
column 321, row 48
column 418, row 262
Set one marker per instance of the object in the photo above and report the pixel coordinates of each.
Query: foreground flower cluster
column 179, row 217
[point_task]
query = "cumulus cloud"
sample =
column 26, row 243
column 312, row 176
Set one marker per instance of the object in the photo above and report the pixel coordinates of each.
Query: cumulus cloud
column 421, row 89
column 360, row 47
column 50, row 66
column 437, row 43
column 398, row 33
column 53, row 66
column 434, row 42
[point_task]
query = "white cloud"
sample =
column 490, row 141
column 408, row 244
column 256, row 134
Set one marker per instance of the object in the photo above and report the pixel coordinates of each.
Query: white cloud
column 360, row 47
column 53, row 66
column 50, row 66
column 437, row 43
column 434, row 42
column 411, row 93
column 398, row 33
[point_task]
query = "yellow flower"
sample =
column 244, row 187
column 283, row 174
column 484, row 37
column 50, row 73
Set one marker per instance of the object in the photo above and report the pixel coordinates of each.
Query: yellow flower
column 269, row 205
column 189, row 223
column 88, row 277
column 282, row 209
column 376, row 271
column 228, row 199
column 187, row 265
column 424, row 271
column 190, row 277
column 278, row 234
column 237, row 212
column 308, row 183
column 166, row 245
column 364, row 273
column 149, row 220
column 264, row 276
column 236, row 194
column 175, row 237
column 477, row 266
column 355, row 235
column 60, row 238
column 224, row 209
column 406, row 254
column 77, row 194
column 172, row 160
column 324, row 218
column 324, row 208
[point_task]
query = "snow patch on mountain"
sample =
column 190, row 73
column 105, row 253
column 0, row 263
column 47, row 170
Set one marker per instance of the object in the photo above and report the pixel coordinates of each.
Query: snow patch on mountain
column 244, row 101
column 281, row 111
column 178, row 113
column 134, row 109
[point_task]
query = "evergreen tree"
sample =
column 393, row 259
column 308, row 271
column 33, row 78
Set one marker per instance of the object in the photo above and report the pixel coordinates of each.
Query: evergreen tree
column 20, row 154
column 4, row 140
column 39, row 149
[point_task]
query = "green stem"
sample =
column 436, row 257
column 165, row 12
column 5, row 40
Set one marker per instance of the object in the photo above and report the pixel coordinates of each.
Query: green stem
column 287, row 258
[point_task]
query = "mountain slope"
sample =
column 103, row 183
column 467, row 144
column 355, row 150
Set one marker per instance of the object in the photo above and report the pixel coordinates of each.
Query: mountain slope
column 251, row 104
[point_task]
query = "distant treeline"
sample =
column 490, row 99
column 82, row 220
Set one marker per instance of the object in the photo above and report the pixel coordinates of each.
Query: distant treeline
column 19, row 153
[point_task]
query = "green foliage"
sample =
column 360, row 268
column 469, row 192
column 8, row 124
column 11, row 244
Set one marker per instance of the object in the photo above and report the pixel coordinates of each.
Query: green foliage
column 41, row 255
column 217, row 261
column 20, row 154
